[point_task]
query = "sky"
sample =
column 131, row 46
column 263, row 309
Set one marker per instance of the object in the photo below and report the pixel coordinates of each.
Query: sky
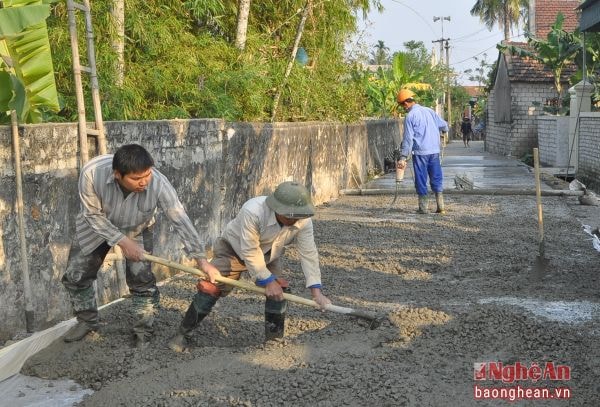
column 404, row 20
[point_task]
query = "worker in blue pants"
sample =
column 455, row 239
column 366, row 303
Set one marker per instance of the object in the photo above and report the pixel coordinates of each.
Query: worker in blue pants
column 421, row 137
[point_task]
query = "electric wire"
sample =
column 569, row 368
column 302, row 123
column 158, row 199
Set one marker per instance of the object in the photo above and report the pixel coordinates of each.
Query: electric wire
column 417, row 13
column 479, row 53
column 470, row 35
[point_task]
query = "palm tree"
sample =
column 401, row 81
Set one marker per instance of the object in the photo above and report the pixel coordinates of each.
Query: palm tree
column 505, row 13
column 381, row 54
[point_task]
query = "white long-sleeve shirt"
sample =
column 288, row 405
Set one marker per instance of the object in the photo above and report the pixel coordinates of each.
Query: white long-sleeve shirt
column 255, row 231
column 107, row 215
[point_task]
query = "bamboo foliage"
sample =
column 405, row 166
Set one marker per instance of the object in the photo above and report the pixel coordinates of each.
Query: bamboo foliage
column 181, row 60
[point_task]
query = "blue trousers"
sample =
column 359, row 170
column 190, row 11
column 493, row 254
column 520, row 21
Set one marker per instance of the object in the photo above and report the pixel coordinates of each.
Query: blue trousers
column 428, row 166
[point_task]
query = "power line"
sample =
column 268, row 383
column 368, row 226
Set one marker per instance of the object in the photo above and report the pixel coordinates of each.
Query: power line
column 479, row 53
column 417, row 13
column 469, row 35
column 478, row 39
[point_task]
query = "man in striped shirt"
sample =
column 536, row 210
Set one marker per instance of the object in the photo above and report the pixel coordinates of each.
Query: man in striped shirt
column 119, row 196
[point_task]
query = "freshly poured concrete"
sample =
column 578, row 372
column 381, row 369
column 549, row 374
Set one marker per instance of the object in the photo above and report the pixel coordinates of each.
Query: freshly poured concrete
column 453, row 290
column 485, row 170
column 26, row 391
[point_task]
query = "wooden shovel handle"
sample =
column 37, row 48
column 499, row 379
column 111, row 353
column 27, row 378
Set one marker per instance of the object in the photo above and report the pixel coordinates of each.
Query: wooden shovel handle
column 538, row 193
column 251, row 287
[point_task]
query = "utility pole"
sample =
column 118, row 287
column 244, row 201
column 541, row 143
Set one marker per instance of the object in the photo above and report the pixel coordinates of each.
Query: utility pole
column 449, row 88
column 442, row 41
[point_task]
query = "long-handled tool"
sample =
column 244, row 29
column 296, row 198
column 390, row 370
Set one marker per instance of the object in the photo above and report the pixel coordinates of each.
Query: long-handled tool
column 540, row 262
column 374, row 321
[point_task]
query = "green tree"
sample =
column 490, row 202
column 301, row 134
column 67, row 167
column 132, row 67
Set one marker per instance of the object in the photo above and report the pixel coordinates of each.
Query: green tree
column 26, row 71
column 410, row 69
column 592, row 60
column 504, row 13
column 381, row 54
column 181, row 60
column 555, row 52
column 481, row 73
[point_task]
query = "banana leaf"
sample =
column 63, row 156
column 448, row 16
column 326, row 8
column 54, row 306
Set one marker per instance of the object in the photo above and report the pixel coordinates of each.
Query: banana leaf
column 26, row 59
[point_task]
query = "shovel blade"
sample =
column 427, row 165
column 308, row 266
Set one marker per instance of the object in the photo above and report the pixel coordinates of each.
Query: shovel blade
column 540, row 265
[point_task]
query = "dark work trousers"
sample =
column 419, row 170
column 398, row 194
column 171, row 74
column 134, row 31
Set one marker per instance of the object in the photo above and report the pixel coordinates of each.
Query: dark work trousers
column 82, row 271
column 230, row 265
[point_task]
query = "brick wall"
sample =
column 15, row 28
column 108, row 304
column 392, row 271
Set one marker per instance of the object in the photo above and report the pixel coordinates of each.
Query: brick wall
column 520, row 135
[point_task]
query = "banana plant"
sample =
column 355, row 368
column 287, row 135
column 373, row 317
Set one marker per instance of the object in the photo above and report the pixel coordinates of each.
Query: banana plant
column 382, row 87
column 26, row 72
column 555, row 52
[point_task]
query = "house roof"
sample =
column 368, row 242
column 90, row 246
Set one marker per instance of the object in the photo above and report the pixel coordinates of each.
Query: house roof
column 546, row 12
column 474, row 91
column 525, row 69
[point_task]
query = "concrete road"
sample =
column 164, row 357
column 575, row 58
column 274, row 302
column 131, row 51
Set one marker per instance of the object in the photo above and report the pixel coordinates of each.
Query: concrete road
column 486, row 171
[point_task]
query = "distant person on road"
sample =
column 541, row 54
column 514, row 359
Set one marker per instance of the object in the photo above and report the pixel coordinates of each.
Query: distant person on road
column 466, row 130
column 421, row 138
column 254, row 241
column 119, row 195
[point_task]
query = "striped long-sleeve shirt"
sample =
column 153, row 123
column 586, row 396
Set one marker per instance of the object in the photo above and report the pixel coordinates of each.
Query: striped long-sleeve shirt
column 106, row 214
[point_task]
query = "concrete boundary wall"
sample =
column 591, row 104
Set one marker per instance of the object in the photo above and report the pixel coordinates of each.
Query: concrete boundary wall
column 215, row 166
column 588, row 170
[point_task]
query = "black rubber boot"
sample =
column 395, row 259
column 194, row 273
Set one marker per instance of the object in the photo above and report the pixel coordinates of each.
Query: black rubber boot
column 78, row 332
column 196, row 312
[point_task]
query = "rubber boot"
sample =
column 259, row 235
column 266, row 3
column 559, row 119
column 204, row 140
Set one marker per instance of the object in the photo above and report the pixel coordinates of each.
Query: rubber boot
column 196, row 312
column 423, row 204
column 78, row 332
column 439, row 199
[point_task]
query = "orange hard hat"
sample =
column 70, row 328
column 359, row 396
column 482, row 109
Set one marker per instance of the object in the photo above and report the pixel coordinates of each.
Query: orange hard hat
column 405, row 94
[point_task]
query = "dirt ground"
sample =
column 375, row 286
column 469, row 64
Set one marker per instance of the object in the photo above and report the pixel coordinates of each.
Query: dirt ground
column 455, row 290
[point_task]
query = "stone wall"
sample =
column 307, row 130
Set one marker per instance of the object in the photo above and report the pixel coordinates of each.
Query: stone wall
column 589, row 150
column 519, row 136
column 214, row 166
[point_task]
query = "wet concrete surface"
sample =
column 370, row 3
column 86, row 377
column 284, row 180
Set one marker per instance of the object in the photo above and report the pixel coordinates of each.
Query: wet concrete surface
column 456, row 290
column 485, row 170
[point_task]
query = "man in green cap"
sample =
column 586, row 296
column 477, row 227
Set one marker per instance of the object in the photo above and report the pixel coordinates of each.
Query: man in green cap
column 254, row 241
